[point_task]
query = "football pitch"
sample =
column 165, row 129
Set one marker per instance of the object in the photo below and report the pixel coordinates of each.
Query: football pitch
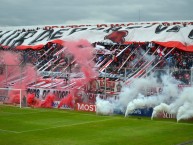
column 32, row 126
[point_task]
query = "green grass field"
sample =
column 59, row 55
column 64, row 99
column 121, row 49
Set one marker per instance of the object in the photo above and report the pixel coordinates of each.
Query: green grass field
column 28, row 126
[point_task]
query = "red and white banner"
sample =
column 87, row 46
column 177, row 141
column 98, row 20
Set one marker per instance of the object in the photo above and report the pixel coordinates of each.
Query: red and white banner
column 85, row 107
column 41, row 93
column 164, row 114
column 179, row 35
column 110, row 86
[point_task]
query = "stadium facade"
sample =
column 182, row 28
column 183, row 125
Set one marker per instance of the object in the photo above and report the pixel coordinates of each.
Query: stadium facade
column 112, row 57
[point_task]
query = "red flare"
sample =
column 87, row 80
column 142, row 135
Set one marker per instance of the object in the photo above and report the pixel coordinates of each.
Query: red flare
column 48, row 101
column 68, row 101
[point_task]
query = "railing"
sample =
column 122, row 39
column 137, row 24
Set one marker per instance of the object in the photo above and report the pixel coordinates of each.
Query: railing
column 12, row 74
column 107, row 85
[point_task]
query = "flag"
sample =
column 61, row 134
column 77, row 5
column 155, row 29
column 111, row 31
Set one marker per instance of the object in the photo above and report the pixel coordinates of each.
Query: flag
column 160, row 52
column 101, row 49
column 150, row 45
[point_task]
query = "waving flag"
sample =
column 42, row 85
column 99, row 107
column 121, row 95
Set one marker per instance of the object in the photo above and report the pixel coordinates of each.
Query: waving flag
column 101, row 49
column 160, row 52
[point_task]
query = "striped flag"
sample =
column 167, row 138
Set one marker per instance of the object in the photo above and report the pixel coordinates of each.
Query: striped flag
column 160, row 52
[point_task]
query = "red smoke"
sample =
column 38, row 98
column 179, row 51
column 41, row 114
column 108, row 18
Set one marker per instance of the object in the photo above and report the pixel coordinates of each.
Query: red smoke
column 28, row 75
column 32, row 101
column 10, row 58
column 48, row 101
column 82, row 50
column 68, row 101
column 83, row 54
column 10, row 64
column 16, row 75
column 14, row 98
column 14, row 71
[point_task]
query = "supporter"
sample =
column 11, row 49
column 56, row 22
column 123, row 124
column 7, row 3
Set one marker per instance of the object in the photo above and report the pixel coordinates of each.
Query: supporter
column 100, row 58
column 176, row 60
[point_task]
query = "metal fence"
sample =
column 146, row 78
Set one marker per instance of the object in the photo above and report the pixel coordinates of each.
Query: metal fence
column 14, row 74
column 108, row 84
column 184, row 76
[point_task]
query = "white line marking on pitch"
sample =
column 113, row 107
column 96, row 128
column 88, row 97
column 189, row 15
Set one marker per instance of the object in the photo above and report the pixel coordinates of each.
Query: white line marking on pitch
column 11, row 113
column 9, row 131
column 83, row 114
column 168, row 122
column 65, row 125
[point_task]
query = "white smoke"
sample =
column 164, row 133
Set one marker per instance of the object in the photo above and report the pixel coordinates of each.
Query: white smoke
column 169, row 93
column 185, row 111
column 159, row 108
column 104, row 107
column 138, row 89
column 170, row 100
column 149, row 57
column 139, row 86
column 140, row 103
column 182, row 106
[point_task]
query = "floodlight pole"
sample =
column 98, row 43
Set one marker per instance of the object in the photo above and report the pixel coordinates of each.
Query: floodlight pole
column 21, row 84
column 191, row 77
column 6, row 73
column 105, row 83
column 20, row 98
column 125, row 76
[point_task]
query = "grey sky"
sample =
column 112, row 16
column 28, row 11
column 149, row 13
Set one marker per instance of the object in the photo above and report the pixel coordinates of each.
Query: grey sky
column 47, row 12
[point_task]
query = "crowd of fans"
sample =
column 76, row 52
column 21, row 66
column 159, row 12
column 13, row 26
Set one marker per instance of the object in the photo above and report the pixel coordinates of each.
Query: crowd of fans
column 126, row 59
column 137, row 55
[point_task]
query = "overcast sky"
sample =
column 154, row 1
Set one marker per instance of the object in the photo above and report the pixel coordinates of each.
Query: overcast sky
column 48, row 12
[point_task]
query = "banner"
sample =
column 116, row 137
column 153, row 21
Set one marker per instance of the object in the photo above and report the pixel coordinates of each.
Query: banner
column 53, row 74
column 99, row 85
column 137, row 112
column 164, row 114
column 56, row 103
column 169, row 23
column 85, row 107
column 179, row 35
column 41, row 93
